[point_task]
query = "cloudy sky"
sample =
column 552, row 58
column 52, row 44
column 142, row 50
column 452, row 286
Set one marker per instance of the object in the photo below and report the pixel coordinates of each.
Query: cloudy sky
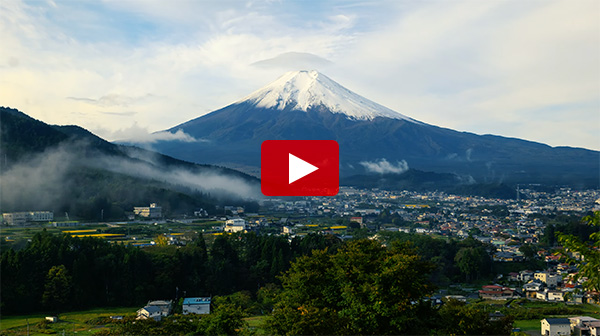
column 527, row 69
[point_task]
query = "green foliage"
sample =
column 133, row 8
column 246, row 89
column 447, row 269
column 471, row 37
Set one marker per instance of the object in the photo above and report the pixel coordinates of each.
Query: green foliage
column 529, row 251
column 364, row 288
column 443, row 253
column 266, row 297
column 471, row 260
column 585, row 254
column 57, row 290
column 20, row 135
column 95, row 273
column 458, row 318
column 226, row 319
column 565, row 224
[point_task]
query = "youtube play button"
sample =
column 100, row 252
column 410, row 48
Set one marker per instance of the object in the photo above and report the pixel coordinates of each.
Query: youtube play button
column 299, row 168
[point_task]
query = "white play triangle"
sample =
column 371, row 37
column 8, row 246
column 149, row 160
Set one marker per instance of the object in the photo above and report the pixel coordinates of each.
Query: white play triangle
column 299, row 168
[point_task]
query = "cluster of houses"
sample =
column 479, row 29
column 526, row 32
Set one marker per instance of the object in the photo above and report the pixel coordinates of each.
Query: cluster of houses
column 577, row 326
column 158, row 309
column 542, row 286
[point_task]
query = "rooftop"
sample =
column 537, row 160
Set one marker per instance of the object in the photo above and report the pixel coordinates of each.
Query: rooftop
column 558, row 321
column 198, row 300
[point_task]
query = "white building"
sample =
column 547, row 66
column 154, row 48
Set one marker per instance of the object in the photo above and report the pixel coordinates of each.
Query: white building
column 554, row 295
column 22, row 218
column 149, row 312
column 164, row 306
column 594, row 328
column 200, row 305
column 153, row 211
column 235, row 225
column 584, row 325
column 550, row 280
column 556, row 327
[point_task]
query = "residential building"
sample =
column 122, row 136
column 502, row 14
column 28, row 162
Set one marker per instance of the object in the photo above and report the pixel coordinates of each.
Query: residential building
column 594, row 328
column 583, row 325
column 532, row 288
column 164, row 306
column 494, row 292
column 556, row 327
column 554, row 295
column 199, row 305
column 550, row 280
column 525, row 276
column 149, row 312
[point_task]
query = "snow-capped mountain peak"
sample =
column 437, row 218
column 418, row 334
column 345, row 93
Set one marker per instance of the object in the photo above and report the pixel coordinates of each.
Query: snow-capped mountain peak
column 301, row 90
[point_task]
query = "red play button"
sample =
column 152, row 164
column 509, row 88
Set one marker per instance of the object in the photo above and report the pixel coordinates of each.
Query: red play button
column 299, row 167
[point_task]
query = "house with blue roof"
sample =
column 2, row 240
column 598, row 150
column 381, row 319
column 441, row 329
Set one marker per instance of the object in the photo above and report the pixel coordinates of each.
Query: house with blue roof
column 199, row 305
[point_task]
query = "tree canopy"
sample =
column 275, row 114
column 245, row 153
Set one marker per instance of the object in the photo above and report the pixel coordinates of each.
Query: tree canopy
column 364, row 288
column 586, row 254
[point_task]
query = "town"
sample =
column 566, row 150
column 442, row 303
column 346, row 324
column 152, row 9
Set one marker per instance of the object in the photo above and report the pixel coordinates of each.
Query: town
column 514, row 230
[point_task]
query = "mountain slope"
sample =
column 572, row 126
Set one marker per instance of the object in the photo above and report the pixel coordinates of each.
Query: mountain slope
column 68, row 169
column 308, row 105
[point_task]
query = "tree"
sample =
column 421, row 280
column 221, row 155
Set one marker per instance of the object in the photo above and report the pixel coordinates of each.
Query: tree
column 57, row 290
column 161, row 240
column 586, row 255
column 529, row 251
column 470, row 260
column 364, row 288
column 225, row 319
column 458, row 318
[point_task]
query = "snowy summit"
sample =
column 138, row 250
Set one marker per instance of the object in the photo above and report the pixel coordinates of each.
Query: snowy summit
column 301, row 90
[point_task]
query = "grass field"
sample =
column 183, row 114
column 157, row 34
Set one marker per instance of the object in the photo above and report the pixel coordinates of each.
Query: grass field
column 535, row 325
column 75, row 323
column 527, row 325
column 72, row 323
column 256, row 323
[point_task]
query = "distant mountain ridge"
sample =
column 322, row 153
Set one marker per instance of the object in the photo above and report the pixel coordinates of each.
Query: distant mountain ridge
column 308, row 105
column 69, row 169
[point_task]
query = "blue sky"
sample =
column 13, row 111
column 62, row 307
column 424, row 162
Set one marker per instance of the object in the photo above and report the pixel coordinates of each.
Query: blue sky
column 527, row 69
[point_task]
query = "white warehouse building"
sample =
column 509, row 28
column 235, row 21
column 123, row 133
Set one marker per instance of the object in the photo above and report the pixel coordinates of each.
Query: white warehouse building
column 235, row 225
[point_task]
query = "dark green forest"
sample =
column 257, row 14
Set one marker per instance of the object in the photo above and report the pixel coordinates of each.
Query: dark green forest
column 67, row 169
column 90, row 272
column 317, row 284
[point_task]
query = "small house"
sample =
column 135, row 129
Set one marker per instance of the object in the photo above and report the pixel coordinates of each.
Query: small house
column 495, row 292
column 164, row 306
column 556, row 327
column 149, row 312
column 199, row 305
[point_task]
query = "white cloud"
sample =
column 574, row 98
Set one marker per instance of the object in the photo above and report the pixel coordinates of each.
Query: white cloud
column 382, row 166
column 488, row 67
column 141, row 135
column 521, row 69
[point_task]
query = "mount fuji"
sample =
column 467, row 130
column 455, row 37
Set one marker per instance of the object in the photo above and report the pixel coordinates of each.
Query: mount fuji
column 373, row 139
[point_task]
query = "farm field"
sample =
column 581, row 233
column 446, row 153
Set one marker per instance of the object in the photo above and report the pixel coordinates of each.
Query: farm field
column 71, row 323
